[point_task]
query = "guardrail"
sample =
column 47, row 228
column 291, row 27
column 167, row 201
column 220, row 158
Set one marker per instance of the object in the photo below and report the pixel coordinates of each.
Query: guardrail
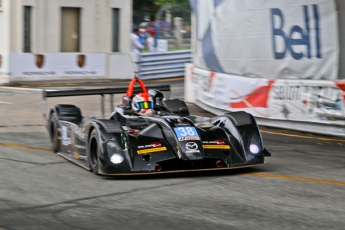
column 159, row 65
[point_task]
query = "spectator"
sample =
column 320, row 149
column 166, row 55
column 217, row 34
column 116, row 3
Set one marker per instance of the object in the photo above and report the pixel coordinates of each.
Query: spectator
column 136, row 46
column 142, row 36
column 151, row 41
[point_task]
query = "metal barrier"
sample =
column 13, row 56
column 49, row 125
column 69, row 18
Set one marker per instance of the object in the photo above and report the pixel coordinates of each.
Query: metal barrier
column 159, row 65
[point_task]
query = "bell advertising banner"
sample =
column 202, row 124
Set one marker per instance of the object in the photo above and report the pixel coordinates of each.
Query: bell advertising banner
column 274, row 39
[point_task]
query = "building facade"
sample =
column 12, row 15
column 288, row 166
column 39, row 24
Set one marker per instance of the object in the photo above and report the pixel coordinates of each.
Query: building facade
column 65, row 39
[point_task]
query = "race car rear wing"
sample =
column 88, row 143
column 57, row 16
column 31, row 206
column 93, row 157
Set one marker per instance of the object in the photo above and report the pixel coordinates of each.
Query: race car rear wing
column 99, row 91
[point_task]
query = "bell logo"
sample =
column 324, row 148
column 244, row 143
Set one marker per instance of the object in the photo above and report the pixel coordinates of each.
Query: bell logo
column 39, row 60
column 297, row 36
column 81, row 60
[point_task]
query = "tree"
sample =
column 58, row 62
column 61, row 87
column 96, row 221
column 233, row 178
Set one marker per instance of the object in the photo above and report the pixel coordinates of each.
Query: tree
column 145, row 6
column 149, row 8
column 162, row 2
column 142, row 9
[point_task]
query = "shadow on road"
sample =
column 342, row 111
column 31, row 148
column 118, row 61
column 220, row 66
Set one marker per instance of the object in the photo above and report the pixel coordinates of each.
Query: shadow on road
column 200, row 174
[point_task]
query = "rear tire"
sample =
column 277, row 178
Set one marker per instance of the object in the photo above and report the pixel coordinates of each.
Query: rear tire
column 54, row 133
column 94, row 151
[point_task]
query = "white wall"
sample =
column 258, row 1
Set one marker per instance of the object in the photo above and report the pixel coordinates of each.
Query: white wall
column 4, row 26
column 96, row 24
column 4, row 40
column 95, row 33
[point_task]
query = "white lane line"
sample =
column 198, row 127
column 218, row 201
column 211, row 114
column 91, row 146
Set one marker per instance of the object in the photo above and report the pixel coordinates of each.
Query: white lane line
column 4, row 102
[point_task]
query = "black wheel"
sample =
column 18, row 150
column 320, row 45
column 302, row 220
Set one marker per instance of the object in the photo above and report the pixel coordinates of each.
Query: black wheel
column 94, row 152
column 54, row 133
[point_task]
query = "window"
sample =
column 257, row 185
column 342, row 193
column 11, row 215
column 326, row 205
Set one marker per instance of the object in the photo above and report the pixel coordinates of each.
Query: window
column 27, row 29
column 70, row 29
column 115, row 30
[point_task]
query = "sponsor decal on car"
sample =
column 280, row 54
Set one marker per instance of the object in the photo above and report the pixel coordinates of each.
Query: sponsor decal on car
column 182, row 124
column 192, row 147
column 189, row 139
column 152, row 150
column 186, row 133
column 216, row 146
column 152, row 145
column 217, row 141
column 178, row 151
column 64, row 136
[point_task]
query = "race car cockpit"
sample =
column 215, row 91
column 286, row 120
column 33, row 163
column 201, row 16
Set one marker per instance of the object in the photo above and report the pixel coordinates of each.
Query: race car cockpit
column 156, row 95
column 126, row 116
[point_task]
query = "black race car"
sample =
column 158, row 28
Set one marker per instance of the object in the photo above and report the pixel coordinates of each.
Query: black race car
column 170, row 141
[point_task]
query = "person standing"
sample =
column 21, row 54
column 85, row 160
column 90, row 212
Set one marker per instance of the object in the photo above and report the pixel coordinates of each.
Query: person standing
column 150, row 41
column 142, row 36
column 136, row 45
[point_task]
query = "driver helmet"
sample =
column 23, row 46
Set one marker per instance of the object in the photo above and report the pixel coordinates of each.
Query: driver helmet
column 142, row 104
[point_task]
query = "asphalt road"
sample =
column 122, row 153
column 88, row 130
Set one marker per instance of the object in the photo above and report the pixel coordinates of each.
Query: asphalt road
column 302, row 186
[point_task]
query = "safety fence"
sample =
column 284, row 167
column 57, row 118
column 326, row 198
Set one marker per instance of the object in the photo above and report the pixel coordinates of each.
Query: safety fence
column 160, row 65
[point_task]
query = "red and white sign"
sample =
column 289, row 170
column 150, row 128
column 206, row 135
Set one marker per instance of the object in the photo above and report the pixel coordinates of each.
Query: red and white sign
column 316, row 101
column 230, row 92
column 297, row 100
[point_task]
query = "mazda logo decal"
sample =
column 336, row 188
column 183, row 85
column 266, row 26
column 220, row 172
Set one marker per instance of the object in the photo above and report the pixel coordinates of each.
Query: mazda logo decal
column 192, row 146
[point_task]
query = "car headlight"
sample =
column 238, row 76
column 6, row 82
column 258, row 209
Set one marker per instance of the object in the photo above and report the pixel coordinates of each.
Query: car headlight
column 114, row 152
column 116, row 158
column 255, row 144
column 254, row 148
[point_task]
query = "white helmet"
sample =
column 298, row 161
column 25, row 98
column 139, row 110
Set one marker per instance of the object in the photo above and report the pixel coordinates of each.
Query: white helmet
column 143, row 104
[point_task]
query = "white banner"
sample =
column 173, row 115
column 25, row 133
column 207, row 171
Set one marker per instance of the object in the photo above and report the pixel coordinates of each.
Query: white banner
column 57, row 64
column 290, row 100
column 231, row 93
column 272, row 39
column 315, row 101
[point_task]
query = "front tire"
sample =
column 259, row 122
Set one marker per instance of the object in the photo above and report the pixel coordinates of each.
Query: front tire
column 94, row 151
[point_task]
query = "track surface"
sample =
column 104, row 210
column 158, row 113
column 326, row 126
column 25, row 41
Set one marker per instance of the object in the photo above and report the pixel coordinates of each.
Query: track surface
column 302, row 186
